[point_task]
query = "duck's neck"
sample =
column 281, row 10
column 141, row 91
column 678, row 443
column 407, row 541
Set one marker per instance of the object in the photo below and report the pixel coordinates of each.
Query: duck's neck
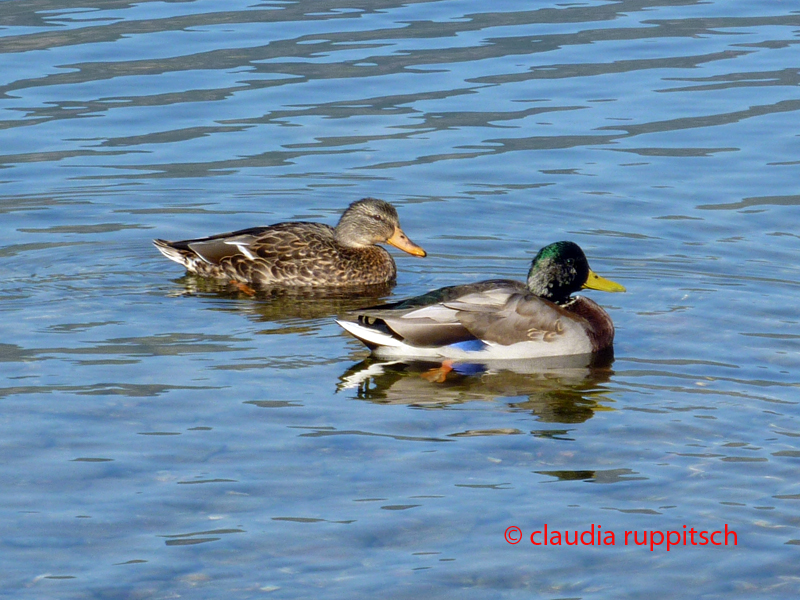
column 347, row 235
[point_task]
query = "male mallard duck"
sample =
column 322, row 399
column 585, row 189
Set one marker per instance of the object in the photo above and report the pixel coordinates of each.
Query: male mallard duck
column 302, row 254
column 498, row 318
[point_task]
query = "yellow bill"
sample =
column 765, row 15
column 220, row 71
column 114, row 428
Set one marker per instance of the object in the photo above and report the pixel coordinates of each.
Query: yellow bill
column 595, row 282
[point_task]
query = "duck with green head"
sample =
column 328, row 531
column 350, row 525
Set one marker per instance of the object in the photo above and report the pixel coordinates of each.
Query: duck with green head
column 302, row 254
column 498, row 318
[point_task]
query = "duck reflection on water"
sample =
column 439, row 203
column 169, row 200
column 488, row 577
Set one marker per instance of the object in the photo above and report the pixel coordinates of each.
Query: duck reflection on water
column 556, row 390
column 281, row 304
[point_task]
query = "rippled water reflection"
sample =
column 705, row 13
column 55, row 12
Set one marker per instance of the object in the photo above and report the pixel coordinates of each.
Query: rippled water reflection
column 164, row 437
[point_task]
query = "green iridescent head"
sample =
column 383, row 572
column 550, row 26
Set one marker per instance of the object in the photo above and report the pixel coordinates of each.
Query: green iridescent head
column 561, row 269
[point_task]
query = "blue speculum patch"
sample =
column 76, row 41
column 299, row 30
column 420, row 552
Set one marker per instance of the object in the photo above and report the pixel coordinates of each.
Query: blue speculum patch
column 469, row 345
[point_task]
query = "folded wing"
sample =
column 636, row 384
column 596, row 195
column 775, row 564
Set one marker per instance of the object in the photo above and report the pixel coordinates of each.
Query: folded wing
column 523, row 317
column 500, row 313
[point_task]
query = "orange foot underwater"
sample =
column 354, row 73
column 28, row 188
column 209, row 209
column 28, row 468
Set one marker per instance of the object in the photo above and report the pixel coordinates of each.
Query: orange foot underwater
column 438, row 374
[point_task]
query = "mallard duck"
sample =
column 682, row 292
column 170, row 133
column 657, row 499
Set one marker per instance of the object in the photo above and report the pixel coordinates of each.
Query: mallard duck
column 302, row 254
column 498, row 318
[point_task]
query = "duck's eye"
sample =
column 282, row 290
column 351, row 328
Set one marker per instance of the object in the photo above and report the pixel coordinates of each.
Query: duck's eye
column 376, row 217
column 570, row 262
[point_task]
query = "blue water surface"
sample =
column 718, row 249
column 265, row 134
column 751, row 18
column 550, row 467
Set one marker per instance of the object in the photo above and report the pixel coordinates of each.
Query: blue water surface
column 165, row 437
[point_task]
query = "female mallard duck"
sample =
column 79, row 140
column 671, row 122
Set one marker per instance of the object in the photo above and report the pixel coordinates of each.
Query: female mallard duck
column 498, row 318
column 301, row 254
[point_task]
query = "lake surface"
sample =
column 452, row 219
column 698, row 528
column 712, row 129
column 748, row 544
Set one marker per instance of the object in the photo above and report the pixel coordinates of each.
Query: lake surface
column 160, row 438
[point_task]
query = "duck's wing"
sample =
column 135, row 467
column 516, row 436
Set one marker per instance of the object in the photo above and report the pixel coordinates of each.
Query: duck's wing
column 430, row 320
column 282, row 239
column 519, row 317
column 214, row 248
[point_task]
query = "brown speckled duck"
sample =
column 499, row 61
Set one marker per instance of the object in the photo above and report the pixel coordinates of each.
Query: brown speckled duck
column 302, row 254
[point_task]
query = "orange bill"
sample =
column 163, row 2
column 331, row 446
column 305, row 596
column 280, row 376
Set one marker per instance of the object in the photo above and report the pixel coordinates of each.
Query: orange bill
column 400, row 240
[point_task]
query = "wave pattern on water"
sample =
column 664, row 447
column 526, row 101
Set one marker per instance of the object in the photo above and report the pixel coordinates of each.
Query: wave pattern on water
column 661, row 135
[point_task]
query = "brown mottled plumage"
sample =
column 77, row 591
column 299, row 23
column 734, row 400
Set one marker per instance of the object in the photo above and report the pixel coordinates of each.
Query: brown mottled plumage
column 301, row 254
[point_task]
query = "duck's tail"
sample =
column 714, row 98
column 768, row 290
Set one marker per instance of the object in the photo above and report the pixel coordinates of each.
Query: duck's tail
column 178, row 255
column 371, row 338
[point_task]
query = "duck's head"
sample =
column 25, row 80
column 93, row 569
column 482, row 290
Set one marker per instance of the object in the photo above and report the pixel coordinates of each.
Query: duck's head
column 371, row 221
column 561, row 269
